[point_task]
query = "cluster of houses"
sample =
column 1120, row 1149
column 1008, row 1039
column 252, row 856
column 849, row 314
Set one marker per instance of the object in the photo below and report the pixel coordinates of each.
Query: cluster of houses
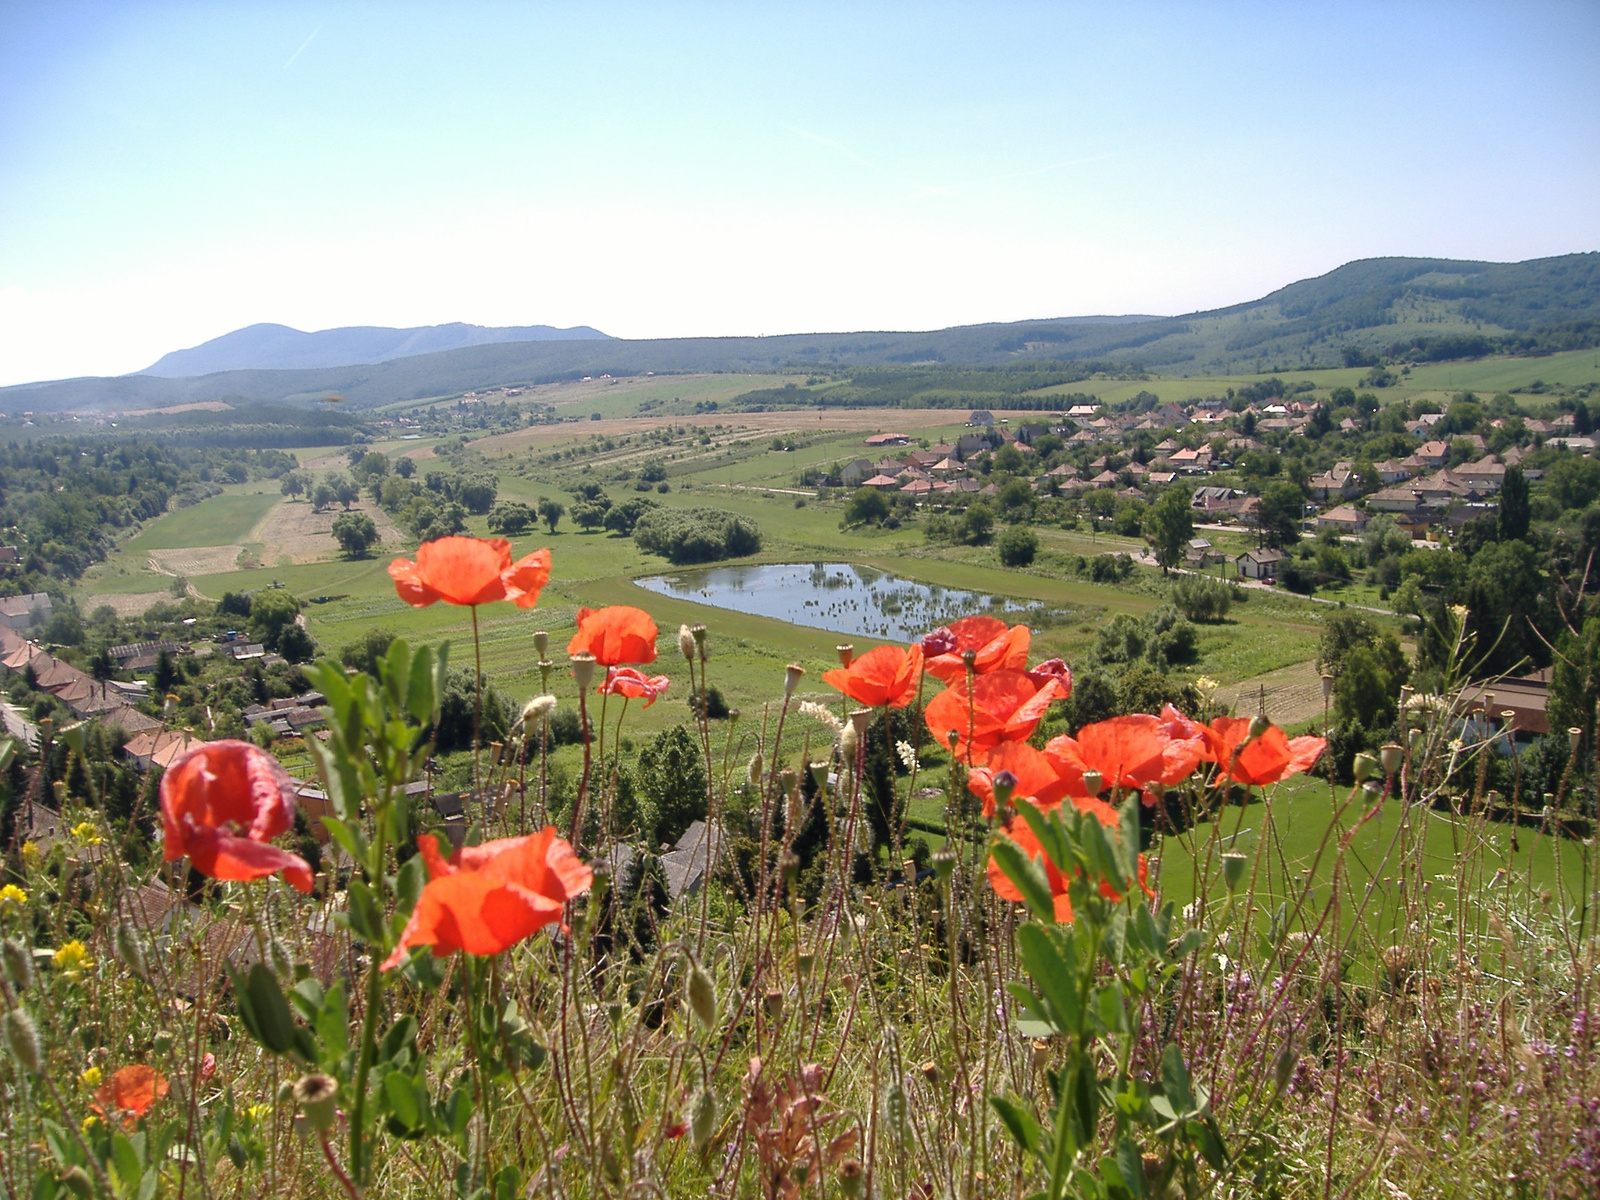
column 1426, row 498
column 110, row 701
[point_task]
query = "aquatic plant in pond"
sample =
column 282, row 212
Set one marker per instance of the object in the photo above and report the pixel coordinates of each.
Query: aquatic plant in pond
column 841, row 597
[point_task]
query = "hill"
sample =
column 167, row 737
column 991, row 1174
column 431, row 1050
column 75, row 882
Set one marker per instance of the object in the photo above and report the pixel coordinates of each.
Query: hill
column 278, row 347
column 1365, row 312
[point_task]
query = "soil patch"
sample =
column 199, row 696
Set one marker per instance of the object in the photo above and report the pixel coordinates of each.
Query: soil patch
column 1293, row 694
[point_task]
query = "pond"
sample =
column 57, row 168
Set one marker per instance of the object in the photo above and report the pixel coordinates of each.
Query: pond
column 843, row 598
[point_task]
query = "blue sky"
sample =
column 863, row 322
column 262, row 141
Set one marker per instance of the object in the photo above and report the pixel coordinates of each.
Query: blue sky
column 169, row 172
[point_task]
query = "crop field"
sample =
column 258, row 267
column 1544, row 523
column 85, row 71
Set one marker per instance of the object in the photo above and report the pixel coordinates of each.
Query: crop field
column 220, row 520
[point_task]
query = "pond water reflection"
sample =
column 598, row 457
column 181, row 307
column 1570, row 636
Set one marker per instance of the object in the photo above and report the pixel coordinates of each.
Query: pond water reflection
column 841, row 597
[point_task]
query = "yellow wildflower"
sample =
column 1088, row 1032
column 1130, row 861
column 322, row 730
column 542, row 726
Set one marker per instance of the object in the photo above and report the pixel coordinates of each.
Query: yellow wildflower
column 1206, row 684
column 84, row 831
column 88, row 1122
column 91, row 1077
column 257, row 1111
column 73, row 956
column 30, row 852
column 11, row 896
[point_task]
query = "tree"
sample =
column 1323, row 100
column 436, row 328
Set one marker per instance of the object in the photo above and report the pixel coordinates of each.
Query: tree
column 344, row 490
column 296, row 645
column 1281, row 512
column 1504, row 593
column 405, row 467
column 271, row 609
column 321, row 496
column 977, row 523
column 1575, row 681
column 1514, row 508
column 672, row 775
column 1574, row 482
column 1202, row 598
column 1169, row 524
column 510, row 518
column 355, row 532
column 294, row 483
column 551, row 511
column 364, row 654
column 589, row 514
column 621, row 518
column 867, row 507
column 1017, row 546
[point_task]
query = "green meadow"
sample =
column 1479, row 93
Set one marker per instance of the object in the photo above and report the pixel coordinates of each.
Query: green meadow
column 217, row 521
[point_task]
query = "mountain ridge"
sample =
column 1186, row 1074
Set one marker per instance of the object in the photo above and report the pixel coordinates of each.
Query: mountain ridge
column 270, row 347
column 1360, row 313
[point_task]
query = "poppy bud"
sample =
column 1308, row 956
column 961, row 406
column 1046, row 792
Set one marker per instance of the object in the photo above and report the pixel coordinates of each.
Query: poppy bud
column 698, row 632
column 789, row 867
column 1004, row 784
column 162, row 1040
column 944, row 861
column 18, row 964
column 860, row 717
column 583, row 669
column 789, row 781
column 849, row 740
column 733, row 717
column 686, row 642
column 541, row 643
column 129, row 948
column 1373, row 789
column 1093, row 781
column 952, row 738
column 23, row 1037
column 1392, row 756
column 1415, row 739
column 846, row 655
column 969, row 659
column 703, row 1117
column 819, row 773
column 852, row 1179
column 1283, row 1067
column 317, row 1096
column 930, row 1072
column 791, row 678
column 702, row 995
column 76, row 1180
column 1363, row 767
column 772, row 1004
column 1233, row 865
column 753, row 772
column 804, row 963
column 1259, row 725
column 537, row 710
column 1327, row 686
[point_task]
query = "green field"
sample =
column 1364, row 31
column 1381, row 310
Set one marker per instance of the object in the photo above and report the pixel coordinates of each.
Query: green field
column 217, row 521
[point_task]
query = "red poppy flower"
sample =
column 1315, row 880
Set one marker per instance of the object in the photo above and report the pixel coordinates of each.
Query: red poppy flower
column 1129, row 752
column 208, row 1067
column 885, row 677
column 1036, row 776
column 485, row 899
column 1055, row 668
column 1019, row 832
column 1005, row 706
column 998, row 647
column 132, row 1091
column 221, row 804
column 1259, row 762
column 632, row 684
column 470, row 571
column 615, row 635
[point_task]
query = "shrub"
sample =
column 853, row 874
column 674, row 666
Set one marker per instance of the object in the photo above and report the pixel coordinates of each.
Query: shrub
column 1202, row 598
column 696, row 535
column 1017, row 546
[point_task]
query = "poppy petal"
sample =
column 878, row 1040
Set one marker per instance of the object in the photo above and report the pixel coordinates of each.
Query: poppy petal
column 525, row 578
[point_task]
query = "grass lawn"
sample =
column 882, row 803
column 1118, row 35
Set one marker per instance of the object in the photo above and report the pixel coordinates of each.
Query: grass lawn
column 216, row 521
column 1457, row 860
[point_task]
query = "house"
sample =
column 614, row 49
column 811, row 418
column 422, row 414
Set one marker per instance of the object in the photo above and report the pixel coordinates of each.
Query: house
column 692, row 858
column 1082, row 412
column 888, row 439
column 23, row 613
column 1526, row 698
column 160, row 748
column 980, row 416
column 1339, row 482
column 1192, row 462
column 1433, row 454
column 1347, row 518
column 1260, row 564
column 1392, row 470
column 917, row 488
column 1201, row 553
column 949, row 466
column 1402, row 498
column 882, row 483
column 853, row 473
column 1161, row 478
column 1220, row 501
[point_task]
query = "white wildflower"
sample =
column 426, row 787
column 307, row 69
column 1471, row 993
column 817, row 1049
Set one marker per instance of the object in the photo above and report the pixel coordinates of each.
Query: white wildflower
column 908, row 756
column 821, row 713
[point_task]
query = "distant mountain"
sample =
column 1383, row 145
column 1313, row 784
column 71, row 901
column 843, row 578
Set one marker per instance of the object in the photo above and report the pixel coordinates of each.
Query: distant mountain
column 280, row 348
column 1410, row 309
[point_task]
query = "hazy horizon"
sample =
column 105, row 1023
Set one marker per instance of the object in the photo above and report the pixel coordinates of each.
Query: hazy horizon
column 174, row 172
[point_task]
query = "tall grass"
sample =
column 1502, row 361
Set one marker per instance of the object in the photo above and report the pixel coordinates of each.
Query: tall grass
column 766, row 1037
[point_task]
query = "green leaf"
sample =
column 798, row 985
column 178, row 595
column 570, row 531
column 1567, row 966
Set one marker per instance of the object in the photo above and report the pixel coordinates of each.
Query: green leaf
column 1126, row 846
column 126, row 1160
column 1175, row 1081
column 1019, row 1123
column 1028, row 876
column 306, row 996
column 1051, row 835
column 264, row 1010
column 422, row 696
column 399, row 1039
column 406, row 1100
column 332, row 1025
column 1131, row 1166
column 1050, row 956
